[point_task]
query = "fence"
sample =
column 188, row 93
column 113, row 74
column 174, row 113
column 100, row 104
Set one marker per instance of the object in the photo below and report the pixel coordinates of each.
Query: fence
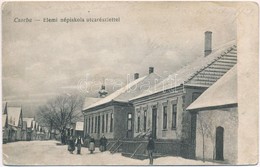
column 136, row 148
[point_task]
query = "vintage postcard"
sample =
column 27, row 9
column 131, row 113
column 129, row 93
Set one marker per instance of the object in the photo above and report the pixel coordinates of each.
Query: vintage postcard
column 130, row 83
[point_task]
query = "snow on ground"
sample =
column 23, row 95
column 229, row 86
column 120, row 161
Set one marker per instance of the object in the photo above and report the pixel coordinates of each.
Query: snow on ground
column 49, row 153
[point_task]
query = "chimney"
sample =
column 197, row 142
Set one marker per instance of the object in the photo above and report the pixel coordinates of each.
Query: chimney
column 151, row 69
column 136, row 76
column 208, row 43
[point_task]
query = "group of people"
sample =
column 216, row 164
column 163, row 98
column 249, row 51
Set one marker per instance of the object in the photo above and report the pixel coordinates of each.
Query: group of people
column 72, row 143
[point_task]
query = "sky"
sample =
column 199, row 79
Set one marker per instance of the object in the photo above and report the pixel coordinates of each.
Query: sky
column 41, row 60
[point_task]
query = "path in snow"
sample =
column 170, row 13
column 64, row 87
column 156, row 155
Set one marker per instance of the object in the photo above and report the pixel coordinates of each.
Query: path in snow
column 49, row 153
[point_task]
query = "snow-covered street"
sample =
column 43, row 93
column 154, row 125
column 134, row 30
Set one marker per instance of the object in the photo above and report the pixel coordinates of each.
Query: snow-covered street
column 51, row 153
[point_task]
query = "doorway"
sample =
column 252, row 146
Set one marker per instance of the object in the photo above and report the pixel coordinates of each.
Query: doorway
column 219, row 143
column 154, row 122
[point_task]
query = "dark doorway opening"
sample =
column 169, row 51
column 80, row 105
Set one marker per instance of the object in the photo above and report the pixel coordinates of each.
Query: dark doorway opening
column 154, row 122
column 219, row 143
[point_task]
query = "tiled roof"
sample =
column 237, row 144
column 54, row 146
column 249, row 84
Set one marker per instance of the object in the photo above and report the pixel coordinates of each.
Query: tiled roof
column 14, row 114
column 79, row 126
column 223, row 92
column 28, row 121
column 203, row 72
column 129, row 91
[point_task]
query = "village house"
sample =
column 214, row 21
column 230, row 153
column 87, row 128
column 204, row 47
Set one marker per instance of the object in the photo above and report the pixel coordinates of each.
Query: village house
column 15, row 121
column 34, row 130
column 29, row 123
column 162, row 110
column 5, row 127
column 24, row 131
column 79, row 127
column 112, row 115
column 215, row 112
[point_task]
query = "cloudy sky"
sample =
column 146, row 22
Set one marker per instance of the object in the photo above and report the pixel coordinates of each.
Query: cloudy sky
column 41, row 59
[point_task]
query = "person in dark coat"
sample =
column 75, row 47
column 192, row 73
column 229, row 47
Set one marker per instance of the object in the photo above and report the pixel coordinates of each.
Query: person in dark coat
column 103, row 143
column 71, row 145
column 150, row 149
column 79, row 142
column 91, row 147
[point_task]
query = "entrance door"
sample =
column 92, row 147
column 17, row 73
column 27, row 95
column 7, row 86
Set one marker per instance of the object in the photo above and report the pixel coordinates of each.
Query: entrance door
column 154, row 122
column 219, row 143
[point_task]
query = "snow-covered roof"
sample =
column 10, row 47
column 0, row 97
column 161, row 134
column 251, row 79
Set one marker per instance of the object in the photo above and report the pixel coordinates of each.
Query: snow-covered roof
column 89, row 101
column 14, row 114
column 129, row 91
column 4, row 120
column 79, row 126
column 28, row 121
column 223, row 92
column 203, row 72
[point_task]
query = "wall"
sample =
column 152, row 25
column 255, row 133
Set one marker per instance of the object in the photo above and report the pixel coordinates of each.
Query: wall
column 226, row 118
column 120, row 121
column 99, row 112
column 180, row 96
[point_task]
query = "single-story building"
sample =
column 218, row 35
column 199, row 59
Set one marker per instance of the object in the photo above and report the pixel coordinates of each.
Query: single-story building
column 216, row 115
column 15, row 121
column 112, row 115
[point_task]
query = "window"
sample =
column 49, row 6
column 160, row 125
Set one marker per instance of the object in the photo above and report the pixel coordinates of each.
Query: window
column 86, row 125
column 103, row 123
column 164, row 117
column 129, row 121
column 89, row 125
column 138, row 122
column 95, row 124
column 174, row 116
column 111, row 122
column 145, row 118
column 92, row 124
column 106, row 122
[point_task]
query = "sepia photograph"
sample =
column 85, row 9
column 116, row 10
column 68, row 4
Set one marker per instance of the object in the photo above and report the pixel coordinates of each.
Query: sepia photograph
column 130, row 83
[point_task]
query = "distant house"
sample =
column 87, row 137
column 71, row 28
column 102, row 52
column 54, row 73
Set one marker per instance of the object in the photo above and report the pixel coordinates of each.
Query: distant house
column 162, row 110
column 34, row 130
column 79, row 129
column 29, row 123
column 5, row 129
column 216, row 115
column 39, row 133
column 15, row 121
column 24, row 131
column 112, row 115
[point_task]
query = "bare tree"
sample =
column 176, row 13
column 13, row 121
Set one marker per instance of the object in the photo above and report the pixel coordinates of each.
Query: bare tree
column 205, row 129
column 60, row 112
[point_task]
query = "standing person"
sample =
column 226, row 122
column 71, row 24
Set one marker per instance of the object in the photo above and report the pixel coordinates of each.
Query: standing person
column 103, row 143
column 71, row 145
column 91, row 147
column 150, row 149
column 78, row 144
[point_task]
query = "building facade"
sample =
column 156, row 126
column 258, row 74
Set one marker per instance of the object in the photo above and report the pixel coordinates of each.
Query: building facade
column 112, row 115
column 162, row 111
column 216, row 115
